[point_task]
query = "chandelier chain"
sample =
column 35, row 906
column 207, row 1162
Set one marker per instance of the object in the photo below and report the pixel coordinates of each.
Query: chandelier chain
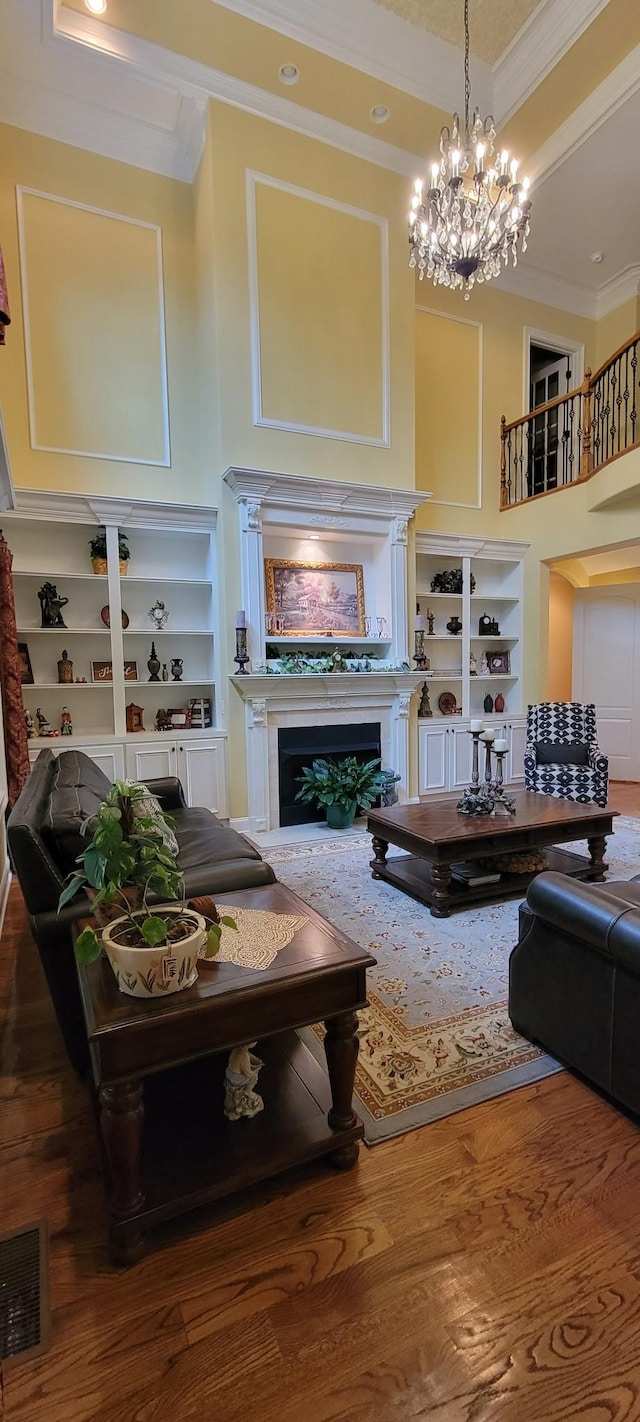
column 467, row 81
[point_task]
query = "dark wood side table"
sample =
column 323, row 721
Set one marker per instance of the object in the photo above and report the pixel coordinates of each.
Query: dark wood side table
column 158, row 1067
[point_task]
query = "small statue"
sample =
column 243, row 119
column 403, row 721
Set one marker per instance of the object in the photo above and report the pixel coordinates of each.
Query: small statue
column 163, row 720
column 424, row 708
column 30, row 728
column 240, row 1078
column 473, row 665
column 430, row 621
column 66, row 725
column 44, row 728
column 65, row 669
column 51, row 605
column 484, row 665
column 159, row 615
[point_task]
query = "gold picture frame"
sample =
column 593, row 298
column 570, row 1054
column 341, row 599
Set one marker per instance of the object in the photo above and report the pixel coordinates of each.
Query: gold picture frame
column 315, row 599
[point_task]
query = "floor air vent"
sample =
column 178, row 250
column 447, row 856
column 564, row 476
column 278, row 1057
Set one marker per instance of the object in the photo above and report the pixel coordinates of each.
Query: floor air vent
column 24, row 1292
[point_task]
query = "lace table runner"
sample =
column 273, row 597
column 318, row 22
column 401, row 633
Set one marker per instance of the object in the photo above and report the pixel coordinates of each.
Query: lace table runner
column 260, row 936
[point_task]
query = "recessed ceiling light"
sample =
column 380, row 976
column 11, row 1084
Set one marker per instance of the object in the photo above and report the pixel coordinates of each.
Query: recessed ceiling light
column 379, row 113
column 597, row 256
column 289, row 74
column 314, row 537
column 97, row 7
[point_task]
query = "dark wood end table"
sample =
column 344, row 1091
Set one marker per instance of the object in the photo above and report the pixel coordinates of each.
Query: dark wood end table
column 158, row 1067
column 436, row 837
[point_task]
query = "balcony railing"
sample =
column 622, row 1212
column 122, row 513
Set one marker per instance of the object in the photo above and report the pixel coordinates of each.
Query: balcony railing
column 567, row 440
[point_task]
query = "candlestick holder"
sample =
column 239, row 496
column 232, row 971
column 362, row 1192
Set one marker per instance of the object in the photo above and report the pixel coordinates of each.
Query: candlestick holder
column 421, row 661
column 241, row 656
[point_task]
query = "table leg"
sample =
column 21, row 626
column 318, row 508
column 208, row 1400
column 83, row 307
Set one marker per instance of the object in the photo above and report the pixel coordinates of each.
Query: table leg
column 341, row 1050
column 597, row 844
column 440, row 888
column 380, row 847
column 121, row 1120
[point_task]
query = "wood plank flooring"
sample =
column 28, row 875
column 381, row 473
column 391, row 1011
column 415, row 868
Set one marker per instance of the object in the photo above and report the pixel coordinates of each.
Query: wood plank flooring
column 484, row 1267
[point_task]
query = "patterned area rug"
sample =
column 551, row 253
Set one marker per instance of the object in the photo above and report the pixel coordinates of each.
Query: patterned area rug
column 436, row 1036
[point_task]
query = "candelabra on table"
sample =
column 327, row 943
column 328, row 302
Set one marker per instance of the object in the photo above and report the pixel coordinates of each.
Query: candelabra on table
column 487, row 798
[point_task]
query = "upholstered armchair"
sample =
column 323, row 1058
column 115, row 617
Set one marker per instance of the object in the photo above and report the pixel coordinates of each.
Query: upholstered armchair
column 562, row 756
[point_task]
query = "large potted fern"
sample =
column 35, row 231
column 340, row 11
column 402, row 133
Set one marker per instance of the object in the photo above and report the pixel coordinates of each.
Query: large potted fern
column 339, row 787
column 153, row 949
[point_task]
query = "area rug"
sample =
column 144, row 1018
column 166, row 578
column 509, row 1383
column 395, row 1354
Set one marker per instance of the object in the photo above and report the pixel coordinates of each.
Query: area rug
column 436, row 1036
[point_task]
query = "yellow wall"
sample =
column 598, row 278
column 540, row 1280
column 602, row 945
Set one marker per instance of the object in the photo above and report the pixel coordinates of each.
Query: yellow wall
column 612, row 330
column 448, row 450
column 559, row 676
column 96, row 330
column 620, row 575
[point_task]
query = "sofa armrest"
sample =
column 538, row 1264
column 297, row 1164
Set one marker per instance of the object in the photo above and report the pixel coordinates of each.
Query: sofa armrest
column 598, row 915
column 530, row 756
column 168, row 790
column 596, row 760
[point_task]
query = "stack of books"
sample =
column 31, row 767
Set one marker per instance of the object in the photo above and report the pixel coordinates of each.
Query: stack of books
column 473, row 873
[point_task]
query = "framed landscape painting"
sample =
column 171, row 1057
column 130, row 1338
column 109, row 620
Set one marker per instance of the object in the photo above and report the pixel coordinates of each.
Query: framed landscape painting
column 316, row 599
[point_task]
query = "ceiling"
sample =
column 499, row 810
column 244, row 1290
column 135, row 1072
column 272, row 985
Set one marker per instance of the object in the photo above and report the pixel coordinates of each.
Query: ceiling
column 106, row 89
column 493, row 24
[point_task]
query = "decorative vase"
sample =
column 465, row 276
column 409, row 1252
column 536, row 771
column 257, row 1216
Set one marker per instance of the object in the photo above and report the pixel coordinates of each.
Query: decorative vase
column 65, row 669
column 454, row 625
column 99, row 566
column 498, row 704
column 153, row 664
column 488, row 704
column 155, row 972
column 123, row 564
column 339, row 818
column 176, row 668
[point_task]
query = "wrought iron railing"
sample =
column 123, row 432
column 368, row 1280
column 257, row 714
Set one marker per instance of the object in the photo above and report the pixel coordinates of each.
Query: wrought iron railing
column 567, row 440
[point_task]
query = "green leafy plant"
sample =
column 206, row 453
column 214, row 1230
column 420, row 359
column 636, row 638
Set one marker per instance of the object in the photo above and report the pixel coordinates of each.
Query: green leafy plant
column 342, row 782
column 126, row 861
column 98, row 545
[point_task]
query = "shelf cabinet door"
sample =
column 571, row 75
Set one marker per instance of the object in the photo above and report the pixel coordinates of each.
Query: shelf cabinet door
column 517, row 741
column 460, row 757
column 202, row 770
column 433, row 757
column 151, row 760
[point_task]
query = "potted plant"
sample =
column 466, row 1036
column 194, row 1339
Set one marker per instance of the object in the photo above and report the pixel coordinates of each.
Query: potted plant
column 340, row 786
column 153, row 951
column 98, row 549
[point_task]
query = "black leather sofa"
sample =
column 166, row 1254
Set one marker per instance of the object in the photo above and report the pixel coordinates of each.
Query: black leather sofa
column 574, row 979
column 44, row 841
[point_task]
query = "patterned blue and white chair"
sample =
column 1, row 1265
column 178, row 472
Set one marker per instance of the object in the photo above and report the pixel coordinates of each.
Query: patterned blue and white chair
column 562, row 756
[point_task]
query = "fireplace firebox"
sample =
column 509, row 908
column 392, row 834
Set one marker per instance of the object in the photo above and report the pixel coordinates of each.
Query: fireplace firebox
column 300, row 745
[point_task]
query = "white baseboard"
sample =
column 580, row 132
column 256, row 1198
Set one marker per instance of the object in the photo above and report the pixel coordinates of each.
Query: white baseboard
column 244, row 825
column 5, row 884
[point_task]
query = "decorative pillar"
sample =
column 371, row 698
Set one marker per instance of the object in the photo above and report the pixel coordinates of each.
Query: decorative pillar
column 400, row 742
column 252, row 572
column 257, row 763
column 400, row 632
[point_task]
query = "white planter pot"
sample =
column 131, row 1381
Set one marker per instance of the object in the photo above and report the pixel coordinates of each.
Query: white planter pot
column 156, row 972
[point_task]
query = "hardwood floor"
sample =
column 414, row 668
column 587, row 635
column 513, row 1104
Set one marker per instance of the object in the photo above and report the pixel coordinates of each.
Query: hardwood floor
column 484, row 1267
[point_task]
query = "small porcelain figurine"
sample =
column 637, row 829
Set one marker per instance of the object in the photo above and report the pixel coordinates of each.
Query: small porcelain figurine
column 44, row 728
column 66, row 725
column 473, row 665
column 484, row 665
column 31, row 730
column 240, row 1078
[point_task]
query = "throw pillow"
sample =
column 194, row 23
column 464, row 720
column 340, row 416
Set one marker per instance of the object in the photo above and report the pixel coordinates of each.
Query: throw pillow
column 150, row 808
column 561, row 753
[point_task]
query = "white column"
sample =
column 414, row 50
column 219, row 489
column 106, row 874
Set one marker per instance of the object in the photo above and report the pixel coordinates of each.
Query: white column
column 400, row 742
column 400, row 646
column 257, row 764
column 252, row 571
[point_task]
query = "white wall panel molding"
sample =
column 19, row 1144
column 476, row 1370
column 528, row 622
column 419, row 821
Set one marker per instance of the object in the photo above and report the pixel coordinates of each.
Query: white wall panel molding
column 465, row 321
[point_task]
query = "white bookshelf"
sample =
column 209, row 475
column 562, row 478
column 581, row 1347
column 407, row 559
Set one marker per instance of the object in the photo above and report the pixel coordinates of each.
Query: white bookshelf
column 173, row 560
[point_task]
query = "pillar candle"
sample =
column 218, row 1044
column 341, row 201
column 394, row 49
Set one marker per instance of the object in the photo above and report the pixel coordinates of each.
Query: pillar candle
column 500, row 745
column 241, row 619
column 420, row 623
column 476, row 725
column 488, row 736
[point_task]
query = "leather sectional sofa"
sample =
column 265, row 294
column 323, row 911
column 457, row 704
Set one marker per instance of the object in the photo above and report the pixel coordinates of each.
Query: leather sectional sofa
column 574, row 979
column 44, row 841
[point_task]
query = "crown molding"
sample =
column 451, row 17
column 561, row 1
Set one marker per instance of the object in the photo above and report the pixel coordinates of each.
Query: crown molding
column 371, row 39
column 600, row 104
column 295, row 491
column 536, row 49
column 138, row 513
column 623, row 287
column 538, row 285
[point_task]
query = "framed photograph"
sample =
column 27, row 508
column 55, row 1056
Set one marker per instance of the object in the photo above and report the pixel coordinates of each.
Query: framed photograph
column 131, row 671
column 499, row 663
column 102, row 671
column 315, row 599
column 26, row 674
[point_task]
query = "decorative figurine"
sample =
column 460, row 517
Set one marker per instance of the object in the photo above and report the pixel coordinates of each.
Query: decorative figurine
column 44, row 728
column 134, row 717
column 424, row 708
column 30, row 728
column 473, row 665
column 66, row 724
column 176, row 668
column 240, row 1078
column 488, row 703
column 163, row 720
column 430, row 622
column 51, row 605
column 65, row 669
column 159, row 615
column 153, row 664
column 484, row 665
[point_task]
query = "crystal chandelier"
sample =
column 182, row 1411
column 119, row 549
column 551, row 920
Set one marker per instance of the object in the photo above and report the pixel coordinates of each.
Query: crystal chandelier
column 475, row 210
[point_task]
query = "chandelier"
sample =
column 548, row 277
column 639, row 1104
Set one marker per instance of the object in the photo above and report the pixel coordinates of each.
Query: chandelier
column 475, row 210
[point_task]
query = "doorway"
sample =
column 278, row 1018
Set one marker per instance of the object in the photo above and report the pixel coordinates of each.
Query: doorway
column 553, row 368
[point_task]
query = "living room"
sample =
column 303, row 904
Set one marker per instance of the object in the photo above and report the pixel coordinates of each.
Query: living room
column 219, row 353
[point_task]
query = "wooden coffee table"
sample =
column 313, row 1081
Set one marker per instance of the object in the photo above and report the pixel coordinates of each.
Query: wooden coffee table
column 158, row 1067
column 436, row 836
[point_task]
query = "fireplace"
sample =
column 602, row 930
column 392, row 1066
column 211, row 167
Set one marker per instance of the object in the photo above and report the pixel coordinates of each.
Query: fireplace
column 299, row 745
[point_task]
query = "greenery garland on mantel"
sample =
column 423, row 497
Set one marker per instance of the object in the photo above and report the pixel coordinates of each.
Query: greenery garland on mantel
column 295, row 663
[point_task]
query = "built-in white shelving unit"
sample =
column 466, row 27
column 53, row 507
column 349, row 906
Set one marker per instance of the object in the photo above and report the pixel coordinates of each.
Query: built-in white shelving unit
column 173, row 560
